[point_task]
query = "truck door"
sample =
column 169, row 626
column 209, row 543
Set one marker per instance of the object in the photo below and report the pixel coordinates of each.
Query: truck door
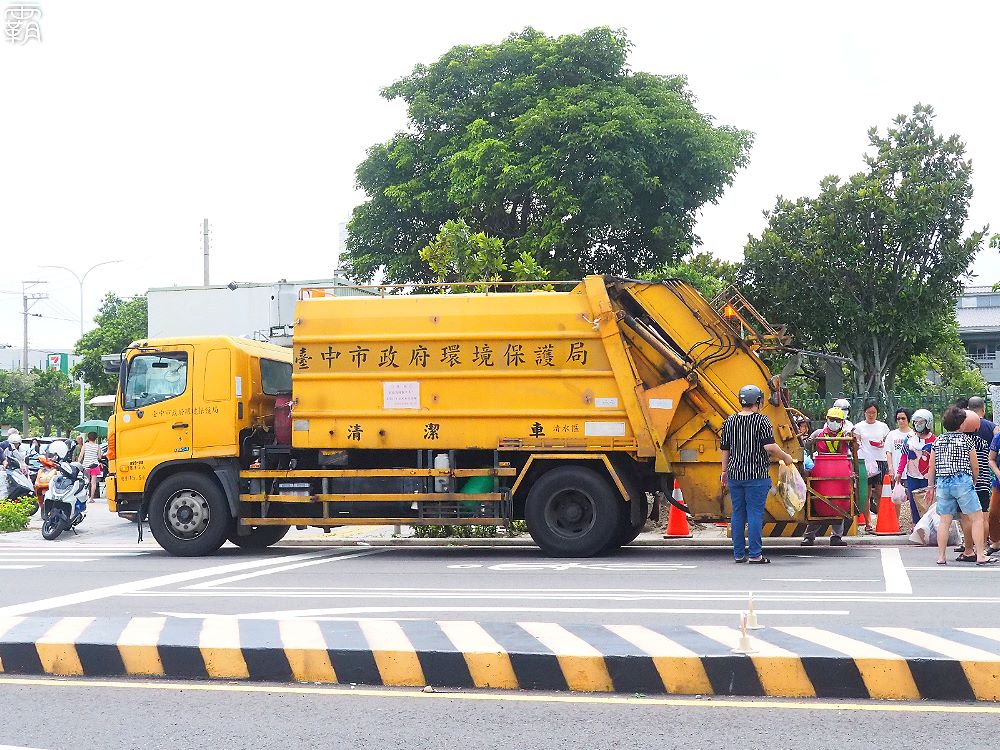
column 155, row 421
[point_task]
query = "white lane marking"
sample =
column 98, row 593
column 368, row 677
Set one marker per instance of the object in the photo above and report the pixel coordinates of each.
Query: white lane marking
column 73, row 558
column 960, row 568
column 17, row 747
column 18, row 567
column 339, row 612
column 943, row 646
column 75, row 551
column 896, row 580
column 282, row 568
column 119, row 589
column 823, row 580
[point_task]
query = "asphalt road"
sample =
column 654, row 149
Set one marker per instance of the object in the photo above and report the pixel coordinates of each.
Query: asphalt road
column 103, row 572
column 82, row 715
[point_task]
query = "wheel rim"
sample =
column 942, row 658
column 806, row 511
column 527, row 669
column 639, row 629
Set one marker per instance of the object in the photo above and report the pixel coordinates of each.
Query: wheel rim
column 570, row 513
column 186, row 514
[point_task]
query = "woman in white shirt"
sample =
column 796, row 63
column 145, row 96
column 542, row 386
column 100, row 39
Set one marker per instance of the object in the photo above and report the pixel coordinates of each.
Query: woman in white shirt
column 872, row 435
column 896, row 440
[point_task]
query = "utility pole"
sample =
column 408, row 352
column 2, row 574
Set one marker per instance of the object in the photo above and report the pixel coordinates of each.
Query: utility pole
column 26, row 298
column 204, row 242
column 79, row 280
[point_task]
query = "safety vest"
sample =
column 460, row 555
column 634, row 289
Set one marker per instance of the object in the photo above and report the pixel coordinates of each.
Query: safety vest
column 832, row 446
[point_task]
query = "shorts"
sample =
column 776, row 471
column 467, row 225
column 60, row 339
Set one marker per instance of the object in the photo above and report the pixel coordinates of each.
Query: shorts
column 956, row 493
column 984, row 499
column 94, row 471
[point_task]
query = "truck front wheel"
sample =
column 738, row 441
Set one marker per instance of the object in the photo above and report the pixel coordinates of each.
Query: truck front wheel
column 572, row 512
column 259, row 536
column 188, row 515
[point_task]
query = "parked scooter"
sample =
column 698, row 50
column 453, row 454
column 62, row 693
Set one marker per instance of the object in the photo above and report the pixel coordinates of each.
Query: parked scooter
column 46, row 473
column 16, row 482
column 65, row 503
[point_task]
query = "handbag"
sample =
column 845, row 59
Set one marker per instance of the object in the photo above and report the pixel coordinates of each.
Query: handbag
column 898, row 493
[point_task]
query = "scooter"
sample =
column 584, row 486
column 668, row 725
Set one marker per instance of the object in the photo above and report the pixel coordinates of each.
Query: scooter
column 65, row 503
column 17, row 484
column 46, row 473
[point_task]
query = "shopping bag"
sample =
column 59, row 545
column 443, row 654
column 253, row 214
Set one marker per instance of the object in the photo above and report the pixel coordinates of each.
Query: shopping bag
column 791, row 489
column 898, row 493
column 925, row 532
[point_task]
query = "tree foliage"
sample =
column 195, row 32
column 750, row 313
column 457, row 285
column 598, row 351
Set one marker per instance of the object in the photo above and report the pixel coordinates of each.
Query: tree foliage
column 551, row 145
column 948, row 361
column 705, row 272
column 119, row 323
column 871, row 268
column 51, row 397
column 456, row 254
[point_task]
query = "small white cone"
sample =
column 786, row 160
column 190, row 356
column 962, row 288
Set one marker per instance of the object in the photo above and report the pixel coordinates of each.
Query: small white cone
column 743, row 646
column 752, row 623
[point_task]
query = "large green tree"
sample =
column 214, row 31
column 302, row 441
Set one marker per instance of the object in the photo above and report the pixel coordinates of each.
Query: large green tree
column 552, row 145
column 871, row 267
column 120, row 321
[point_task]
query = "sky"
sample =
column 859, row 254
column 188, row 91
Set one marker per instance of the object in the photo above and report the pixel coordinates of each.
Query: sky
column 130, row 122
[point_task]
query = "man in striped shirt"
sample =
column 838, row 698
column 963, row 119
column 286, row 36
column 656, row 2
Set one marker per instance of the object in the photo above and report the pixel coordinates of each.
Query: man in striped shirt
column 747, row 450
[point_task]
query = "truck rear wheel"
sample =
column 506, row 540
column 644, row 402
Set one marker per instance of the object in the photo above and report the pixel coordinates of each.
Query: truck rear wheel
column 629, row 530
column 259, row 536
column 189, row 515
column 572, row 512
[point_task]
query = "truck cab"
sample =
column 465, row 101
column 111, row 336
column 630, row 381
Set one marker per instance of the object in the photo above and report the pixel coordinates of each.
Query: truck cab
column 196, row 404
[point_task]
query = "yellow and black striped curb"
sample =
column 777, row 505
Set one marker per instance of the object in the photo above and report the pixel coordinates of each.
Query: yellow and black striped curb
column 885, row 663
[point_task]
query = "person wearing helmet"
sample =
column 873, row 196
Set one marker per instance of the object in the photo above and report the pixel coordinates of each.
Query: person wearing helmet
column 748, row 448
column 832, row 439
column 845, row 405
column 12, row 446
column 916, row 458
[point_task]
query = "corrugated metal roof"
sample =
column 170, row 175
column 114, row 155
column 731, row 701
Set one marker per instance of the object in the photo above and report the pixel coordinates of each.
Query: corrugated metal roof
column 978, row 318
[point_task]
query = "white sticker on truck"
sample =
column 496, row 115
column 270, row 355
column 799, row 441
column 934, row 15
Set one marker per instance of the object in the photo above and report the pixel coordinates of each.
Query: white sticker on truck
column 401, row 395
column 606, row 403
column 604, row 429
column 239, row 387
column 661, row 403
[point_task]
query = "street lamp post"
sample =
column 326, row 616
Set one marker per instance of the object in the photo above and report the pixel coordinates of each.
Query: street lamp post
column 80, row 280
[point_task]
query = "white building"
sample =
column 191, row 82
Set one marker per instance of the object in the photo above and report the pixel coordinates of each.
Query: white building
column 262, row 311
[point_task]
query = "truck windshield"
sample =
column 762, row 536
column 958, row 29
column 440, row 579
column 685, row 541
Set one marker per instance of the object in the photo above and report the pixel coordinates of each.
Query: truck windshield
column 155, row 377
column 275, row 377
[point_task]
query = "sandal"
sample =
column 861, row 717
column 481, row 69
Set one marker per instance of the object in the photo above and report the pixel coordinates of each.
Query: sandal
column 740, row 559
column 991, row 550
column 942, row 562
column 987, row 561
column 966, row 558
column 869, row 528
column 759, row 561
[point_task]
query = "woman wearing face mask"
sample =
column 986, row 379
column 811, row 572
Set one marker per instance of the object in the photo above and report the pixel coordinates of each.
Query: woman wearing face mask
column 915, row 461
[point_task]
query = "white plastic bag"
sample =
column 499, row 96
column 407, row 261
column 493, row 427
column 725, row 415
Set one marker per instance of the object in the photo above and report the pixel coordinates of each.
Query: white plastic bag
column 899, row 493
column 926, row 530
column 791, row 489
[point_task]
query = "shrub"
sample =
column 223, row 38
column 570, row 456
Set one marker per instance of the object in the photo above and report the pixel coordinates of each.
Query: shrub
column 468, row 532
column 13, row 516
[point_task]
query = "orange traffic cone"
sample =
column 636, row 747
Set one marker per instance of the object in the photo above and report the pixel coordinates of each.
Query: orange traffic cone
column 887, row 522
column 677, row 522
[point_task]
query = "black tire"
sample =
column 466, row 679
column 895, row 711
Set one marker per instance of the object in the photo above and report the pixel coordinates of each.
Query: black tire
column 259, row 536
column 189, row 515
column 52, row 527
column 572, row 512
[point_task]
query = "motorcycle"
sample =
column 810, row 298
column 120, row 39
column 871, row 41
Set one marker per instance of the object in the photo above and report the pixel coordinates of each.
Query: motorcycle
column 17, row 483
column 46, row 472
column 64, row 505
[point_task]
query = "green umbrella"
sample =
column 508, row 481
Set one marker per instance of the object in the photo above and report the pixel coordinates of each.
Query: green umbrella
column 93, row 425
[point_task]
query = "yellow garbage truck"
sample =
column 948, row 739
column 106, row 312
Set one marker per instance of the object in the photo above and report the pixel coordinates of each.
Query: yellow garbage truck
column 567, row 409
